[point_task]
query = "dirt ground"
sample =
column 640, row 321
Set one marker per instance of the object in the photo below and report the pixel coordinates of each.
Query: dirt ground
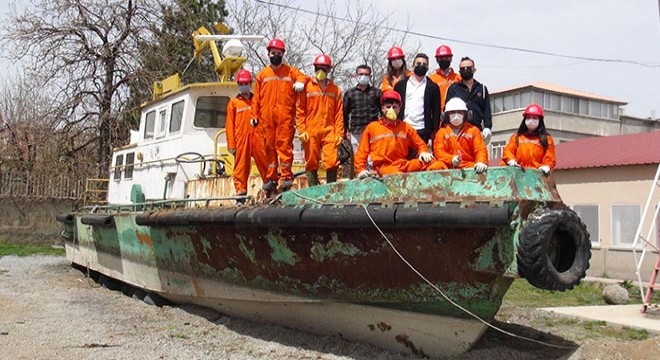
column 49, row 310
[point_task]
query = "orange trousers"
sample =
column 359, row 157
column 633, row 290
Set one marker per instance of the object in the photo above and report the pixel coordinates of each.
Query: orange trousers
column 279, row 148
column 400, row 166
column 251, row 147
column 323, row 145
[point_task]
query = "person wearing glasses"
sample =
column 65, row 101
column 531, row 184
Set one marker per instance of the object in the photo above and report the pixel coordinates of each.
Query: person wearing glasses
column 475, row 95
column 420, row 97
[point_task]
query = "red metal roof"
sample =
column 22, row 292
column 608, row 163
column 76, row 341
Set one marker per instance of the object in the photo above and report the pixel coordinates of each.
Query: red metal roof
column 633, row 149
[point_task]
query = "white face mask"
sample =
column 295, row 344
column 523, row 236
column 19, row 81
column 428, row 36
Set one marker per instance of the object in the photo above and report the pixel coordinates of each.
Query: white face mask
column 363, row 80
column 397, row 63
column 456, row 119
column 532, row 124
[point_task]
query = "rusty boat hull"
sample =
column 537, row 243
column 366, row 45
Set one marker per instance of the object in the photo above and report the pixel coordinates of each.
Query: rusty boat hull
column 314, row 260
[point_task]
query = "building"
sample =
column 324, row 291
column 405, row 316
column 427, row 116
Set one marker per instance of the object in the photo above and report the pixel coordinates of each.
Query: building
column 607, row 180
column 569, row 114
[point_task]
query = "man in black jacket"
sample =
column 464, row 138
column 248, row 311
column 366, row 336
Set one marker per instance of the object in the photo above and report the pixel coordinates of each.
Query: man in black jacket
column 475, row 95
column 421, row 100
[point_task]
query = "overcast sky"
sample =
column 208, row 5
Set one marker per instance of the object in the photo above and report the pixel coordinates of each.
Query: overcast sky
column 610, row 29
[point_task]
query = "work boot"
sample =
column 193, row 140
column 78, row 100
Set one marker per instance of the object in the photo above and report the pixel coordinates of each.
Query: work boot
column 312, row 178
column 241, row 201
column 286, row 185
column 330, row 176
column 269, row 186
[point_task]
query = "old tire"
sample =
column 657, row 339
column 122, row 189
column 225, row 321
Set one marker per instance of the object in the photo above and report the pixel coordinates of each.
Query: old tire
column 554, row 249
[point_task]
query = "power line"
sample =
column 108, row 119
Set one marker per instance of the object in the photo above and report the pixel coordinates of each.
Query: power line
column 493, row 46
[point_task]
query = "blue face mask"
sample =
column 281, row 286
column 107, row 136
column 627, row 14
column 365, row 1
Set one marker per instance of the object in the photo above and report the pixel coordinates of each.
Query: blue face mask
column 244, row 89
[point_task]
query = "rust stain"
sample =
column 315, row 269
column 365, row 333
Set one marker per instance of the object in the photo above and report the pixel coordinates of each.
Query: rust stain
column 198, row 291
column 145, row 239
column 405, row 341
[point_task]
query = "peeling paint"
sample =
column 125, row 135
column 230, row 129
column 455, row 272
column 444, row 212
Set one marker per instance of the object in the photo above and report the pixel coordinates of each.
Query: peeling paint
column 320, row 252
column 281, row 253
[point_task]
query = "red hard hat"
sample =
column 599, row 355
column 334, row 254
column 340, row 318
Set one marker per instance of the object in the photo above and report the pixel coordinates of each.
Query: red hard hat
column 534, row 110
column 390, row 95
column 276, row 44
column 323, row 60
column 394, row 53
column 443, row 50
column 243, row 76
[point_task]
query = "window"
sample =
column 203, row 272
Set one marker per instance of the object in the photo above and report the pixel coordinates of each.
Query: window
column 551, row 102
column 128, row 170
column 116, row 172
column 526, row 98
column 583, row 106
column 569, row 104
column 625, row 219
column 538, row 97
column 176, row 117
column 149, row 124
column 162, row 123
column 594, row 108
column 589, row 215
column 508, row 102
column 211, row 111
column 497, row 148
column 497, row 104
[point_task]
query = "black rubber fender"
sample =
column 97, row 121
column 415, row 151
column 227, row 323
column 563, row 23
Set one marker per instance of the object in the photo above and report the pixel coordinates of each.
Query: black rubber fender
column 554, row 249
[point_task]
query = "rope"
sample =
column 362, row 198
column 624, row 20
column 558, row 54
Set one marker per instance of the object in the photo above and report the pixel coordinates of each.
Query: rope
column 433, row 285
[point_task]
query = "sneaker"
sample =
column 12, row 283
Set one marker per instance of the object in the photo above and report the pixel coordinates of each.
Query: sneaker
column 240, row 201
column 269, row 186
column 286, row 185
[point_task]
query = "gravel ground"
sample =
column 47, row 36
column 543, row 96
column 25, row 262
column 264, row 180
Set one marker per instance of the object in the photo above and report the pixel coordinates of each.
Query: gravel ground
column 50, row 311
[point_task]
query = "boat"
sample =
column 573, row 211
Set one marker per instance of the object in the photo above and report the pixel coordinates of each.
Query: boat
column 416, row 262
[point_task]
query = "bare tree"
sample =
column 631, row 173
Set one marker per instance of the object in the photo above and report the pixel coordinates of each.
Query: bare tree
column 362, row 36
column 85, row 50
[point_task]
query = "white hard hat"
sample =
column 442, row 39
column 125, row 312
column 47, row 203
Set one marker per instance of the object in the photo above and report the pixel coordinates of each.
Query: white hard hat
column 455, row 104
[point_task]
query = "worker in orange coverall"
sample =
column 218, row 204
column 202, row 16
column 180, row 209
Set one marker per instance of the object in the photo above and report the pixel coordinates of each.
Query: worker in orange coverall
column 444, row 75
column 459, row 144
column 274, row 106
column 531, row 146
column 388, row 141
column 244, row 139
column 320, row 122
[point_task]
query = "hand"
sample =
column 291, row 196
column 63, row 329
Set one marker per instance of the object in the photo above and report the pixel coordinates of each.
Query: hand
column 303, row 136
column 486, row 133
column 232, row 151
column 254, row 122
column 298, row 86
column 480, row 167
column 339, row 140
column 545, row 169
column 363, row 174
column 456, row 160
column 426, row 157
column 512, row 162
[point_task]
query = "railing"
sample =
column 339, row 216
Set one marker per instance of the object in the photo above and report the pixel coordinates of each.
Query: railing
column 96, row 192
column 40, row 185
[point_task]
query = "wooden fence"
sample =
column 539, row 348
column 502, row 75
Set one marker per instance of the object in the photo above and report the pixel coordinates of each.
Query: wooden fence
column 43, row 185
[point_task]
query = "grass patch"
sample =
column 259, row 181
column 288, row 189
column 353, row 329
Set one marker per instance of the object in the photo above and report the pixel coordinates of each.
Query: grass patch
column 599, row 329
column 27, row 250
column 522, row 294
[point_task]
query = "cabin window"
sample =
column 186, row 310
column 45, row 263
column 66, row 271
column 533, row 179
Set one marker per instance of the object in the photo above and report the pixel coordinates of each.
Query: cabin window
column 625, row 219
column 116, row 173
column 128, row 169
column 211, row 111
column 162, row 123
column 176, row 117
column 589, row 215
column 149, row 124
column 497, row 148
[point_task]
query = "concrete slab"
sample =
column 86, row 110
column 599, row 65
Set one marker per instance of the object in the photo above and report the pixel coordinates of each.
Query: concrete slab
column 624, row 315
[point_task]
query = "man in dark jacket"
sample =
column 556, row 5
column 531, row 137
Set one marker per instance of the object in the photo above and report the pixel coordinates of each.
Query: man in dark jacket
column 361, row 105
column 475, row 95
column 421, row 100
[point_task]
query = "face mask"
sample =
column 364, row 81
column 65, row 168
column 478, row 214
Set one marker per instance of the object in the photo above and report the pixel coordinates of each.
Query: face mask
column 276, row 60
column 467, row 74
column 397, row 63
column 244, row 89
column 421, row 70
column 444, row 64
column 321, row 75
column 390, row 114
column 532, row 124
column 363, row 80
column 456, row 119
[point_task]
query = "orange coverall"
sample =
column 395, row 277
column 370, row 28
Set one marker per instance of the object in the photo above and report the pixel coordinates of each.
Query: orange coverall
column 443, row 83
column 320, row 114
column 388, row 148
column 246, row 139
column 468, row 144
column 387, row 85
column 528, row 152
column 274, row 105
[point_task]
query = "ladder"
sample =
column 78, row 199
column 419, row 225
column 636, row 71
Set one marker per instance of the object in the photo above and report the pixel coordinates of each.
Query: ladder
column 647, row 243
